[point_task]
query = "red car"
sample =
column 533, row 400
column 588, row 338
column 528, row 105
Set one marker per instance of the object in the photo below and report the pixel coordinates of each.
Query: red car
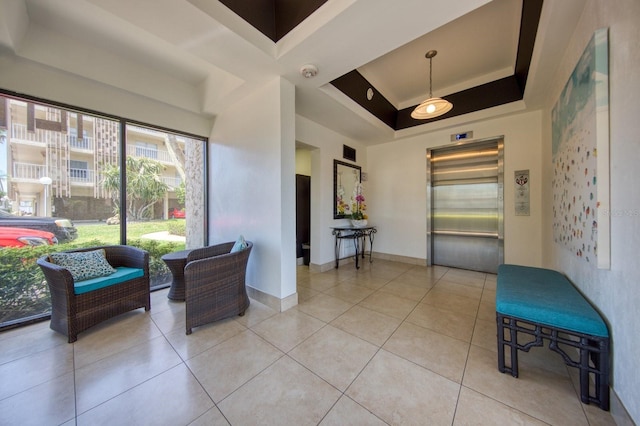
column 177, row 213
column 21, row 237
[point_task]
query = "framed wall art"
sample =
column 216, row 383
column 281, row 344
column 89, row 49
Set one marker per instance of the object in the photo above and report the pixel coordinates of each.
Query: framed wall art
column 580, row 155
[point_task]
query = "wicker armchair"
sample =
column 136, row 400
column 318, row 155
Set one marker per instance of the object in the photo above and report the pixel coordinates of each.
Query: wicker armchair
column 72, row 313
column 214, row 281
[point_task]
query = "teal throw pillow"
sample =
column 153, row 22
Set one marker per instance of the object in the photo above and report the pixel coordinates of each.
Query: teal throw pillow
column 84, row 265
column 240, row 244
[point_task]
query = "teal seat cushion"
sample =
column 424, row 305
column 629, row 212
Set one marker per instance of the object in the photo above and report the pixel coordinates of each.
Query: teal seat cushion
column 122, row 274
column 546, row 297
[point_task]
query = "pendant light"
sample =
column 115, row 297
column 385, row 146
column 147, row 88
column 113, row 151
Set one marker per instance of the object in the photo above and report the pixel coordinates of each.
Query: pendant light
column 432, row 107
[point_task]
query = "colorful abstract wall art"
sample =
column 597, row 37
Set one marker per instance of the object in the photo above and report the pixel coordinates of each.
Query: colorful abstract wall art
column 580, row 155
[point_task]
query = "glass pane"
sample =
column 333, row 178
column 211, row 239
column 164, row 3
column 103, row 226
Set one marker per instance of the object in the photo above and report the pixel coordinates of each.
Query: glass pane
column 60, row 189
column 161, row 196
column 52, row 195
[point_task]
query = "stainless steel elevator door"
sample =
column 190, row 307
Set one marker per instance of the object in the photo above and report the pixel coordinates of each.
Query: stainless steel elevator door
column 465, row 222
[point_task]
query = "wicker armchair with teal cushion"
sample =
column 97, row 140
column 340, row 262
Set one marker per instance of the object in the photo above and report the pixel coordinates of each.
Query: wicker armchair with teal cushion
column 214, row 281
column 91, row 285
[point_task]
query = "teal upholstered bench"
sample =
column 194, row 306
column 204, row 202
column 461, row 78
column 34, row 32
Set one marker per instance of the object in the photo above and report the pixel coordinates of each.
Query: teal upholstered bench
column 543, row 304
column 121, row 275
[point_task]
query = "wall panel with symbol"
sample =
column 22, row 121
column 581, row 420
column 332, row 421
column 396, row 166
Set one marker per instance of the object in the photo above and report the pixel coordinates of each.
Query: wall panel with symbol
column 522, row 192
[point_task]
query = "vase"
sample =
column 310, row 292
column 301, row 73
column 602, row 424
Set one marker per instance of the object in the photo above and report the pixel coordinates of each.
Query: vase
column 359, row 222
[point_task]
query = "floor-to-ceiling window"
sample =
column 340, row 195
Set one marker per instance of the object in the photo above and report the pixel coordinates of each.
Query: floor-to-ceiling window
column 64, row 170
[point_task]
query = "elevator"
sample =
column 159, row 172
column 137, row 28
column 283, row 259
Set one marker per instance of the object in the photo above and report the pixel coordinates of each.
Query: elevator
column 465, row 205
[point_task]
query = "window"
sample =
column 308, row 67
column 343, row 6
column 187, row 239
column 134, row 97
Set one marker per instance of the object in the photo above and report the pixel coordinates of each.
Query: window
column 78, row 170
column 56, row 174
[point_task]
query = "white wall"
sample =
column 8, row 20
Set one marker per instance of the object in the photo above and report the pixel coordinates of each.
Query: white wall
column 252, row 184
column 397, row 192
column 31, row 78
column 328, row 146
column 615, row 292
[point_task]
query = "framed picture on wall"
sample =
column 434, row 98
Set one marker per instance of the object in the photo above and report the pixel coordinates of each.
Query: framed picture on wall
column 580, row 155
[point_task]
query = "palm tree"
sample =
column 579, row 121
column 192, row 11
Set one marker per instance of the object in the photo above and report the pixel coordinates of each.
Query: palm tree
column 144, row 186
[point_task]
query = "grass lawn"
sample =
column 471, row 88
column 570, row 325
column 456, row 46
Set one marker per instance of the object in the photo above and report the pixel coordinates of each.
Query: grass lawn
column 110, row 234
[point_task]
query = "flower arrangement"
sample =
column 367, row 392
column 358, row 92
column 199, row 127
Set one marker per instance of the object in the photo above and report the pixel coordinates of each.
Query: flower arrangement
column 358, row 207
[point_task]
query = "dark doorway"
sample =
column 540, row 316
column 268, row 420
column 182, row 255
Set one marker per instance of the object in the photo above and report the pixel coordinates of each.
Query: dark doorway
column 303, row 213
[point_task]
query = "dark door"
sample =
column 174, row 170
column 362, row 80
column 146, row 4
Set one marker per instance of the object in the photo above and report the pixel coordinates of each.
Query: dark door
column 303, row 212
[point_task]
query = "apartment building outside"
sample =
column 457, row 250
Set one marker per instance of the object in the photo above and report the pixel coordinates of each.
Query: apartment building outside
column 52, row 161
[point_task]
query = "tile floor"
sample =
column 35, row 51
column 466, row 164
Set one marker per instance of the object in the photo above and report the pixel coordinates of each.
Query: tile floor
column 390, row 343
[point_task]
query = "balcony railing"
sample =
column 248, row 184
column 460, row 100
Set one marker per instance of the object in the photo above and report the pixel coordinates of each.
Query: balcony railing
column 28, row 171
column 173, row 182
column 19, row 132
column 85, row 143
column 154, row 154
column 81, row 176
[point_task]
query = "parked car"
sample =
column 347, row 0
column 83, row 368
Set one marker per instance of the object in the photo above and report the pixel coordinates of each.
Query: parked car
column 63, row 229
column 21, row 237
column 177, row 213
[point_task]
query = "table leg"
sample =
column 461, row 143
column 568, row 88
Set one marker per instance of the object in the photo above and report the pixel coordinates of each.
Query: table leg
column 355, row 243
column 337, row 249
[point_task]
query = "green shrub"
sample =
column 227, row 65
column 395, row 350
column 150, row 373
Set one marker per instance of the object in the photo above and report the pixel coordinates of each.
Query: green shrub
column 23, row 289
column 177, row 227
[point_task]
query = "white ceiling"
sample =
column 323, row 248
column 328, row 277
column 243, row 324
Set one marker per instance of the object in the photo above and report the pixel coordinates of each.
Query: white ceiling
column 200, row 56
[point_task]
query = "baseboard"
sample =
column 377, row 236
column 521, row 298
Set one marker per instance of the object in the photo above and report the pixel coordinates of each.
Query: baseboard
column 402, row 259
column 315, row 267
column 618, row 411
column 275, row 303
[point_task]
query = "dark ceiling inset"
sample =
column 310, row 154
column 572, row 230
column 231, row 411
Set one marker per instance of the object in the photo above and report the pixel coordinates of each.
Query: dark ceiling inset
column 495, row 93
column 273, row 18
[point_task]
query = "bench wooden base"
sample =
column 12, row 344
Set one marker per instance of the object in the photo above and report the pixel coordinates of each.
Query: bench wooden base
column 592, row 351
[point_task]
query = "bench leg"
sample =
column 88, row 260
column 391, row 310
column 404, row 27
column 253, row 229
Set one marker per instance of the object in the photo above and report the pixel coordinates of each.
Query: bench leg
column 584, row 371
column 512, row 343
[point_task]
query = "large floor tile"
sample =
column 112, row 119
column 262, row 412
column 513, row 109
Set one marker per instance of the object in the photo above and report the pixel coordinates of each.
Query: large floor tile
column 349, row 292
column 366, row 324
column 347, row 412
column 334, row 355
column 484, row 335
column 400, row 392
column 469, row 278
column 50, row 403
column 439, row 353
column 172, row 398
column 113, row 336
column 32, row 370
column 459, row 289
column 227, row 366
column 115, row 374
column 407, row 291
column 29, row 340
column 284, row 394
column 287, row 330
column 389, row 304
column 256, row 313
column 449, row 323
column 203, row 337
column 477, row 409
column 537, row 392
column 324, row 307
column 452, row 302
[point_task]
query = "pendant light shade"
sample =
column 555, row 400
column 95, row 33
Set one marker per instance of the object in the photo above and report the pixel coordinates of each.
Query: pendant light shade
column 432, row 107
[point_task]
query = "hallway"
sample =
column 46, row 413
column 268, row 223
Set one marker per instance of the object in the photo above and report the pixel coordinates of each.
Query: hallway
column 390, row 343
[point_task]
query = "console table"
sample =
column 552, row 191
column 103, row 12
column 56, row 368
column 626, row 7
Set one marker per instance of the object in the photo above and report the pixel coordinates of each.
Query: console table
column 359, row 235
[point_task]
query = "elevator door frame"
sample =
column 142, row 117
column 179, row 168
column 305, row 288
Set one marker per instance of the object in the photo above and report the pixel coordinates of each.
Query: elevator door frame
column 430, row 240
